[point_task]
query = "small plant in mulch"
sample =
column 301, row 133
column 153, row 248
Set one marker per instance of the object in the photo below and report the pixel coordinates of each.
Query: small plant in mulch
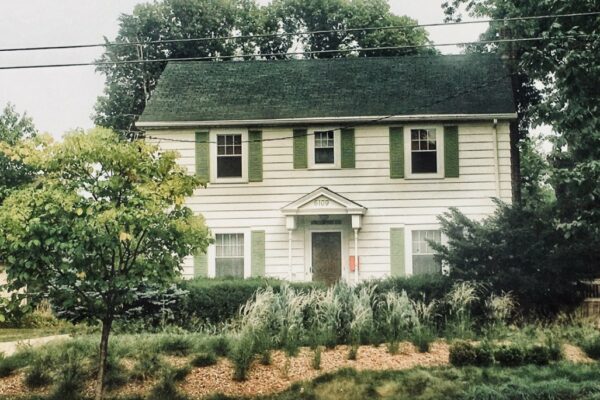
column 242, row 356
column 39, row 373
column 148, row 364
column 204, row 360
column 315, row 361
column 166, row 387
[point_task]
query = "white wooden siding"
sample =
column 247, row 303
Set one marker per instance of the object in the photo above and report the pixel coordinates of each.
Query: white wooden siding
column 390, row 202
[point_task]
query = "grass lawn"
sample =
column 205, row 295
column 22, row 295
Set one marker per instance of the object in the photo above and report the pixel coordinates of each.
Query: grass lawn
column 15, row 334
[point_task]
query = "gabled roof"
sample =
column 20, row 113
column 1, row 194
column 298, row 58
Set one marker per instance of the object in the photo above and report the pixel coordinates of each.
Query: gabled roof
column 323, row 201
column 339, row 88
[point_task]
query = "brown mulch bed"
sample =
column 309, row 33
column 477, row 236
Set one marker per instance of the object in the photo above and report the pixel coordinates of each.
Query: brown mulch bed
column 283, row 371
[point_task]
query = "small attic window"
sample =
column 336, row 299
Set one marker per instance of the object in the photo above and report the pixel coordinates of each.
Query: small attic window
column 229, row 156
column 324, row 147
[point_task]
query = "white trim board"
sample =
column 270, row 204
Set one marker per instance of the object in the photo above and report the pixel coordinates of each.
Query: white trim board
column 325, row 120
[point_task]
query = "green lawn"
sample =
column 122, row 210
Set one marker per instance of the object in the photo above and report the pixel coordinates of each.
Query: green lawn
column 11, row 335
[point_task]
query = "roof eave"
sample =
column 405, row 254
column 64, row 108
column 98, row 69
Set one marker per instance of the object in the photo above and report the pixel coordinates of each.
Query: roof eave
column 326, row 120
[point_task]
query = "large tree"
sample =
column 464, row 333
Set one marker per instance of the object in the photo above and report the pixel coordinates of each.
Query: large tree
column 102, row 218
column 564, row 69
column 128, row 86
column 13, row 128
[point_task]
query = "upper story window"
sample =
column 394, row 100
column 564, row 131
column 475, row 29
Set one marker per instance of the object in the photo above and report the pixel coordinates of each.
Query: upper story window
column 423, row 261
column 324, row 147
column 423, row 152
column 229, row 255
column 423, row 148
column 229, row 156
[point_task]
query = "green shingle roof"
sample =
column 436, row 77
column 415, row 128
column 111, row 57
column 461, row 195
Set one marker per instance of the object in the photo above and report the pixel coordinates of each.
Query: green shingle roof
column 347, row 87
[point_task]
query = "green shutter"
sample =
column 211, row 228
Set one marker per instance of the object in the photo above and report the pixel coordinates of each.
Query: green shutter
column 200, row 265
column 451, row 151
column 348, row 146
column 257, row 244
column 300, row 149
column 255, row 156
column 397, row 152
column 202, row 156
column 397, row 252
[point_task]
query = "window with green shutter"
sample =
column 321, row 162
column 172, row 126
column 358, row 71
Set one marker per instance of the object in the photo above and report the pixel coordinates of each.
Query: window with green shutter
column 397, row 252
column 255, row 156
column 300, row 149
column 397, row 152
column 257, row 243
column 348, row 148
column 451, row 151
column 202, row 155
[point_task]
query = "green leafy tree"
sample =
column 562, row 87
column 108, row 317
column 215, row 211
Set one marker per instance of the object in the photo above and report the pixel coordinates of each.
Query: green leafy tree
column 129, row 86
column 566, row 68
column 102, row 218
column 14, row 127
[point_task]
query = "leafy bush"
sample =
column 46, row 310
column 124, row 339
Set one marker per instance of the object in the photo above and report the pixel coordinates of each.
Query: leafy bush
column 537, row 354
column 517, row 250
column 484, row 355
column 591, row 346
column 462, row 353
column 219, row 300
column 509, row 355
column 148, row 364
column 204, row 360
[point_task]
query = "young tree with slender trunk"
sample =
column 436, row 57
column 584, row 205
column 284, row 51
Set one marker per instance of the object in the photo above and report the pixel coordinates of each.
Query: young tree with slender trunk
column 102, row 218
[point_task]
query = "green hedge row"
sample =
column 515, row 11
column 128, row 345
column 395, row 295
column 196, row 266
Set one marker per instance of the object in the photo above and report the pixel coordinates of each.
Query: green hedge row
column 463, row 353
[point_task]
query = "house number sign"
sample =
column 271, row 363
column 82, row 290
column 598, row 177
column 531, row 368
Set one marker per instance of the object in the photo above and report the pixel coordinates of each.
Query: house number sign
column 321, row 203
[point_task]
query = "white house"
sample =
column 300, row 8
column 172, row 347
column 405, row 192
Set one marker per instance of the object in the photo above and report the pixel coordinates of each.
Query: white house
column 311, row 164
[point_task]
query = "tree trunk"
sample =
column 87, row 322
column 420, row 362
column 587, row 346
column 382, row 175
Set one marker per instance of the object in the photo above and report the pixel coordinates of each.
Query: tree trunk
column 106, row 326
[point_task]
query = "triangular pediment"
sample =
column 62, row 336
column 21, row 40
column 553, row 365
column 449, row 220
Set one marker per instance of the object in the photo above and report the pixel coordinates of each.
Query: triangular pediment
column 323, row 201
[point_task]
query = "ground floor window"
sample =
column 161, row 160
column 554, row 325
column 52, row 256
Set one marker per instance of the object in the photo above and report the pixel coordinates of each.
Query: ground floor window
column 423, row 261
column 229, row 255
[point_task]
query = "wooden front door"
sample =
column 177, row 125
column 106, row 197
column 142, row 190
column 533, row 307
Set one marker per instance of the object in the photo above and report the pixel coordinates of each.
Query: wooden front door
column 326, row 257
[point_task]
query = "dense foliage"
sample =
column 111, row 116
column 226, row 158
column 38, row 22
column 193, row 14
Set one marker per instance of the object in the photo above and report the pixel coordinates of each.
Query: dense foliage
column 556, row 82
column 129, row 86
column 515, row 250
column 13, row 128
column 101, row 218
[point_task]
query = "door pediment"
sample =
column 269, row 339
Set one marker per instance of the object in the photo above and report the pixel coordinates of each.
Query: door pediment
column 322, row 202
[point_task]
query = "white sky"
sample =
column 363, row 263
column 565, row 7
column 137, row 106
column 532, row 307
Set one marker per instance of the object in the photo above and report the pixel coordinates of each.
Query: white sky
column 61, row 99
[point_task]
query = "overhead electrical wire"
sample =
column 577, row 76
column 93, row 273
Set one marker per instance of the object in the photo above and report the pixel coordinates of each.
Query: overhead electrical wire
column 254, row 55
column 307, row 33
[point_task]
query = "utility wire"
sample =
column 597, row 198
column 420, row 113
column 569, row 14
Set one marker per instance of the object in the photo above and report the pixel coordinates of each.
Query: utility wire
column 254, row 55
column 291, row 34
column 363, row 123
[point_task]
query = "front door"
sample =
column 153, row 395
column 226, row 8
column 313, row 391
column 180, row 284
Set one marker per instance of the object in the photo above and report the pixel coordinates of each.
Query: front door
column 326, row 257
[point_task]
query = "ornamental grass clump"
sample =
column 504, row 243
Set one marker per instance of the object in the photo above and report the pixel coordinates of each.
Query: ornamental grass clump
column 147, row 366
column 288, row 318
column 362, row 322
column 500, row 308
column 399, row 317
column 423, row 333
column 459, row 300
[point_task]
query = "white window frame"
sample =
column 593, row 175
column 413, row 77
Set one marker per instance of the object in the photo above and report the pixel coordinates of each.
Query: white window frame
column 212, row 253
column 408, row 254
column 439, row 138
column 213, row 155
column 337, row 146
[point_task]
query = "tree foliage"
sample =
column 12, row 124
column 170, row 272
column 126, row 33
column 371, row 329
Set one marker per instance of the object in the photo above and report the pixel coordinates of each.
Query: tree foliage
column 14, row 127
column 102, row 218
column 129, row 86
column 565, row 69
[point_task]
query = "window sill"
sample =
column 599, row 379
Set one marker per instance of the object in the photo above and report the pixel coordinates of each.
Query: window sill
column 424, row 177
column 228, row 181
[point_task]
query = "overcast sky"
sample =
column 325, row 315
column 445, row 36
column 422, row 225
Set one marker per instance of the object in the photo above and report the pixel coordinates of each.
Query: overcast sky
column 60, row 99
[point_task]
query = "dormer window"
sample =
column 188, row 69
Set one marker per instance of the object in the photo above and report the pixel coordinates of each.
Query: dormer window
column 324, row 145
column 423, row 148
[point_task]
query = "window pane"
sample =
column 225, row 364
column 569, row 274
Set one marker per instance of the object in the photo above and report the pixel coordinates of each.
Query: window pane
column 324, row 156
column 229, row 267
column 220, row 140
column 229, row 167
column 424, row 162
column 423, row 134
column 425, row 264
column 414, row 134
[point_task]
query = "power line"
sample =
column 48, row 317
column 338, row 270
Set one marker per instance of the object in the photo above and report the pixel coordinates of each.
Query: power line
column 340, row 51
column 291, row 34
column 373, row 121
